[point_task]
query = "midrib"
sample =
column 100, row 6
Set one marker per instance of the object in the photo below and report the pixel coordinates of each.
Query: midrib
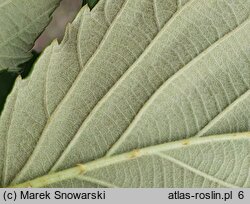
column 82, row 169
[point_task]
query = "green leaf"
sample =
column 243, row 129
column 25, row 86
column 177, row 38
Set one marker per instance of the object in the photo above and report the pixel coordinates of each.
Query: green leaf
column 21, row 22
column 92, row 3
column 130, row 97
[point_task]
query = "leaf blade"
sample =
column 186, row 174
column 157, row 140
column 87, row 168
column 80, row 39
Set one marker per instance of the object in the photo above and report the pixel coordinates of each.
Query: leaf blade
column 116, row 71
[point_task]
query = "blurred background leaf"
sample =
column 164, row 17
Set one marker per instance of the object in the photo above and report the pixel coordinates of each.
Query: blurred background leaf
column 64, row 14
column 92, row 3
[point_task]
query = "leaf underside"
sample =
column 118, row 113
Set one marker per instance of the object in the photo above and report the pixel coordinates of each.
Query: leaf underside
column 21, row 22
column 132, row 94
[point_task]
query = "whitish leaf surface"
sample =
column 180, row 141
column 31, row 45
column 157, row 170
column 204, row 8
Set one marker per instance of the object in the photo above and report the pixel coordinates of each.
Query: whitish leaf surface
column 132, row 94
column 21, row 22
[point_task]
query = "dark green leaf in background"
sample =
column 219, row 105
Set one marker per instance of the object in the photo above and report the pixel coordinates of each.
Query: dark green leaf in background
column 7, row 78
column 6, row 82
column 91, row 3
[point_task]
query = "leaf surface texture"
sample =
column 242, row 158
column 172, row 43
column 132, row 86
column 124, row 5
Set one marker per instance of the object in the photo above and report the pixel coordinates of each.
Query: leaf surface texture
column 132, row 75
